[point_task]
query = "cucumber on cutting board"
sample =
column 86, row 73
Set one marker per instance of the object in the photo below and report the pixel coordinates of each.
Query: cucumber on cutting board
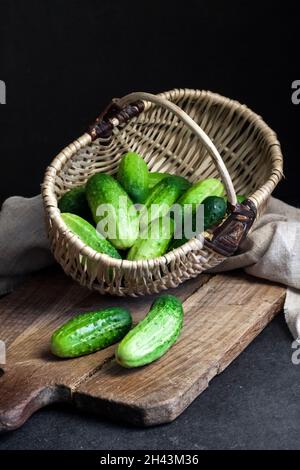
column 103, row 191
column 133, row 175
column 89, row 235
column 154, row 335
column 91, row 331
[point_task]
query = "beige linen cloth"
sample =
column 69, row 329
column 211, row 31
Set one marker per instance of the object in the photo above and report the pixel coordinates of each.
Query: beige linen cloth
column 271, row 251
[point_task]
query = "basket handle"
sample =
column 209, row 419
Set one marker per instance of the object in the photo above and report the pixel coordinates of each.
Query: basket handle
column 191, row 124
column 227, row 237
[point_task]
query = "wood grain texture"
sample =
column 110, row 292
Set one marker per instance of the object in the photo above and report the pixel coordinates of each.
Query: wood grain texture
column 222, row 315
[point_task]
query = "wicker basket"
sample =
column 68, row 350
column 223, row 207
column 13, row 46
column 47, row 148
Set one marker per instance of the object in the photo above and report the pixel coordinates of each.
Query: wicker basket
column 170, row 131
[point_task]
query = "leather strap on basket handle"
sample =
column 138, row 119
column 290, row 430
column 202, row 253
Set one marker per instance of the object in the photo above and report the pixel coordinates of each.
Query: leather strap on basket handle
column 114, row 116
column 228, row 236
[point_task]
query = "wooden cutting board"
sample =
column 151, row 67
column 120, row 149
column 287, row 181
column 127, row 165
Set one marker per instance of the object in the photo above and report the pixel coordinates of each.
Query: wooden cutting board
column 223, row 314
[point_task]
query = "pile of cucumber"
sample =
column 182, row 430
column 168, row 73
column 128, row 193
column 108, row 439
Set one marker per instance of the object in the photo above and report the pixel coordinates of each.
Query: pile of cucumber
column 146, row 342
column 142, row 201
column 135, row 187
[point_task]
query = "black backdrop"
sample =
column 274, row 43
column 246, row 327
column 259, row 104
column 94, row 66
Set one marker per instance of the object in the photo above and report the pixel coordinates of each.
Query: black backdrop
column 63, row 60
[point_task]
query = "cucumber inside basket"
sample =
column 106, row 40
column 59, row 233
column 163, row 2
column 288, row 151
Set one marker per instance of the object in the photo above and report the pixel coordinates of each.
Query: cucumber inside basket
column 160, row 189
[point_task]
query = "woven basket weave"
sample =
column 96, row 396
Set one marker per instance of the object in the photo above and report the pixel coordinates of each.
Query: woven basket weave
column 192, row 133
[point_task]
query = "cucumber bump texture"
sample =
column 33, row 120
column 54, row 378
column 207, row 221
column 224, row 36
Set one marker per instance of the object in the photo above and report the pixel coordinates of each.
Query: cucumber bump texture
column 156, row 177
column 74, row 201
column 153, row 240
column 102, row 191
column 196, row 194
column 91, row 331
column 209, row 193
column 133, row 175
column 162, row 197
column 154, row 335
column 89, row 235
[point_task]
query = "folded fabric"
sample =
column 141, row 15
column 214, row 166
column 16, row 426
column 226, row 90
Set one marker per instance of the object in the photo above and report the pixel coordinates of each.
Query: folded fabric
column 24, row 247
column 271, row 251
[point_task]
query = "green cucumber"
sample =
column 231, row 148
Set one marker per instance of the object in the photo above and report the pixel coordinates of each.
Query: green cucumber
column 91, row 331
column 133, row 175
column 214, row 211
column 196, row 194
column 239, row 197
column 153, row 240
column 154, row 335
column 162, row 197
column 155, row 178
column 103, row 191
column 74, row 201
column 89, row 235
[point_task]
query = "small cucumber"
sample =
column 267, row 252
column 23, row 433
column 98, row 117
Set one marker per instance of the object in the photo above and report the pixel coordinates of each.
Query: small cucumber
column 201, row 190
column 74, row 201
column 162, row 197
column 91, row 331
column 89, row 235
column 195, row 196
column 155, row 178
column 154, row 335
column 153, row 240
column 110, row 204
column 214, row 211
column 133, row 175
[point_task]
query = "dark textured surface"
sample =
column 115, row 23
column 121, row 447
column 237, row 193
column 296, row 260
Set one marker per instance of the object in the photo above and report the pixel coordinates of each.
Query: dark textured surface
column 255, row 403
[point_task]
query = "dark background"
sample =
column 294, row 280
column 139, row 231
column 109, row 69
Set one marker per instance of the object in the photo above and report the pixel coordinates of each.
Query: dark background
column 62, row 62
